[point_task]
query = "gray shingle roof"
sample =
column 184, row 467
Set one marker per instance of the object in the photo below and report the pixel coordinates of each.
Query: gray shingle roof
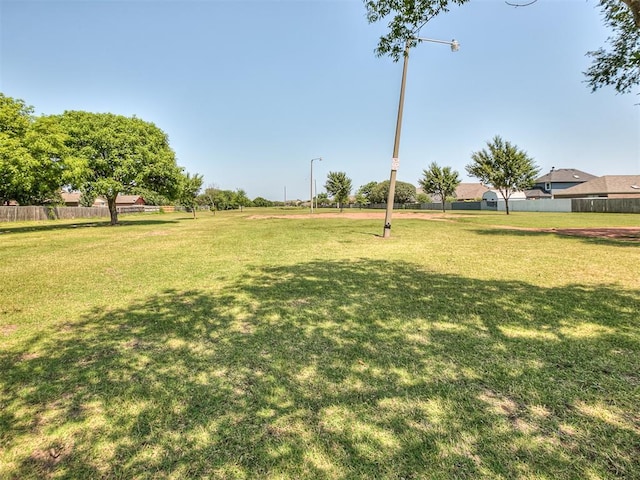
column 566, row 175
column 470, row 191
column 606, row 185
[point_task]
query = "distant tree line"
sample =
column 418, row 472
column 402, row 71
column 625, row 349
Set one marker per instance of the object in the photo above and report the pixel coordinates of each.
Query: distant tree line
column 501, row 165
column 217, row 199
column 103, row 154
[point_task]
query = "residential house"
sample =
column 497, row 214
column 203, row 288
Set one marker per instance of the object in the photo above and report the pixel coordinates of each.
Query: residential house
column 547, row 186
column 470, row 191
column 72, row 199
column 607, row 186
column 129, row 200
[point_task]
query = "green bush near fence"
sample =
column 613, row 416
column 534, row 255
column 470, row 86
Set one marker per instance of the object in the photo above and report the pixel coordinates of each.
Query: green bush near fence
column 252, row 346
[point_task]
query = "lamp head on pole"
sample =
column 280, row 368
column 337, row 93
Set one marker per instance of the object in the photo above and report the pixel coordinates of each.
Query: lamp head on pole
column 455, row 46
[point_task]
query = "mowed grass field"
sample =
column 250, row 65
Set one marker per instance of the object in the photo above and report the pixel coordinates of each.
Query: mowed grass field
column 241, row 347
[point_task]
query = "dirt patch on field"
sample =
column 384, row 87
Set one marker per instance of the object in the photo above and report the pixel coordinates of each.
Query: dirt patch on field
column 6, row 330
column 358, row 215
column 630, row 234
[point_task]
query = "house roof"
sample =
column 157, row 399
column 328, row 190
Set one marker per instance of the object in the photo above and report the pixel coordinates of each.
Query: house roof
column 120, row 199
column 606, row 185
column 470, row 191
column 537, row 193
column 70, row 197
column 464, row 191
column 74, row 197
column 566, row 175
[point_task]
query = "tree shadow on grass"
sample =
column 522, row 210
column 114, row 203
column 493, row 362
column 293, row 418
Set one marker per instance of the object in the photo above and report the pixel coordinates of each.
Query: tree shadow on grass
column 620, row 240
column 364, row 369
column 6, row 228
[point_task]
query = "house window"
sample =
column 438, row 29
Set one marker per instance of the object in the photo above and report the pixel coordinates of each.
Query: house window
column 547, row 186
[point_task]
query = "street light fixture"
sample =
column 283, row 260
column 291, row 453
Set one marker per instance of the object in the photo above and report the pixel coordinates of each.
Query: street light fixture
column 395, row 161
column 311, row 182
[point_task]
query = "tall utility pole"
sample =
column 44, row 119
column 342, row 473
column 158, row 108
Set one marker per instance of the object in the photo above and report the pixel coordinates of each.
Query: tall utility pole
column 395, row 162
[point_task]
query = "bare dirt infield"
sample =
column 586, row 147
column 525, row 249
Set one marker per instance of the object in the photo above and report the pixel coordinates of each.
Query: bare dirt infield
column 629, row 234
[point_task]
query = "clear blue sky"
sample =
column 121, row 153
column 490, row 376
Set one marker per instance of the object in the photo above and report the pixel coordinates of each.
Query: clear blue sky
column 250, row 91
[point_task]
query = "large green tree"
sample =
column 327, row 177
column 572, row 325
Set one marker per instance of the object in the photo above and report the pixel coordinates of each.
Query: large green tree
column 120, row 154
column 225, row 199
column 33, row 161
column 404, row 193
column 441, row 181
column 504, row 167
column 15, row 159
column 240, row 199
column 208, row 197
column 339, row 186
column 618, row 67
column 262, row 202
column 217, row 199
column 190, row 186
column 323, row 199
column 364, row 193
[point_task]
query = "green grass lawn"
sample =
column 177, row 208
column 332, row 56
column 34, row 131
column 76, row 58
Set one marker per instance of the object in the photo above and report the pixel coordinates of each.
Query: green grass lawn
column 235, row 347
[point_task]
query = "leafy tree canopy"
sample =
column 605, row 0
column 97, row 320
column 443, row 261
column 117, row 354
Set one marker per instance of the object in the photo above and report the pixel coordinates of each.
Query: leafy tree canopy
column 405, row 193
column 208, row 197
column 405, row 18
column 618, row 66
column 366, row 189
column 339, row 186
column 262, row 202
column 33, row 158
column 120, row 154
column 440, row 181
column 219, row 199
column 323, row 199
column 240, row 199
column 423, row 198
column 363, row 194
column 190, row 186
column 151, row 197
column 15, row 117
column 503, row 166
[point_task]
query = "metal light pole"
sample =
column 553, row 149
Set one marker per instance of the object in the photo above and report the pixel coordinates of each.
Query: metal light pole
column 311, row 182
column 395, row 161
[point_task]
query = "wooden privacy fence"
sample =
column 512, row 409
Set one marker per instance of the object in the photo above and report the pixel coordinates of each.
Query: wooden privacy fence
column 31, row 213
column 606, row 205
column 34, row 213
